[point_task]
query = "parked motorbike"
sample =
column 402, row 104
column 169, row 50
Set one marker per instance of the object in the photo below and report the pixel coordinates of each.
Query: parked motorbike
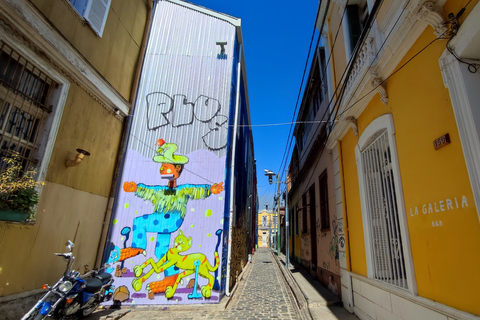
column 74, row 294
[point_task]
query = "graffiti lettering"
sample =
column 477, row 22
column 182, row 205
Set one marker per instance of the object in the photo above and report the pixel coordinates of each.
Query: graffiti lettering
column 326, row 265
column 177, row 111
column 333, row 251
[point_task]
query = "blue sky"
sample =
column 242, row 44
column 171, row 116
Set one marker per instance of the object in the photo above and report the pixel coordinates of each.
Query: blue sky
column 276, row 37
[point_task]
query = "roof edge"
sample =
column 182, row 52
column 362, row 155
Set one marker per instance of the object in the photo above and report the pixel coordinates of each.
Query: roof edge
column 223, row 16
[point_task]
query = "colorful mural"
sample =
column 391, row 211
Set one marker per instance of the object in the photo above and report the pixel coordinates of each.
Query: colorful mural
column 151, row 257
column 167, row 240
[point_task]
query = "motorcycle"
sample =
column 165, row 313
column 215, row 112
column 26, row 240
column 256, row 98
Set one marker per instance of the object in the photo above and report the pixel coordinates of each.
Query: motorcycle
column 74, row 294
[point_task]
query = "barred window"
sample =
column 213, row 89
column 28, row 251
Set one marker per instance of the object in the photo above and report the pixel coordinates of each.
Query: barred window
column 387, row 243
column 24, row 93
column 383, row 214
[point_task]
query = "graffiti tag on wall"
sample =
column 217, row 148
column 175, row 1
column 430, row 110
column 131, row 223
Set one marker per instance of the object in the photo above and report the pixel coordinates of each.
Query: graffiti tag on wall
column 333, row 251
column 179, row 111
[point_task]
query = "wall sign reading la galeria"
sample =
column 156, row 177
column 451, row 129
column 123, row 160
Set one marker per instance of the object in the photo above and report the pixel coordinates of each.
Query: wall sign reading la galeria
column 455, row 203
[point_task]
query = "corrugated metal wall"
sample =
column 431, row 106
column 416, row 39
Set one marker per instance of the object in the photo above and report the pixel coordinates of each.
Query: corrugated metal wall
column 181, row 117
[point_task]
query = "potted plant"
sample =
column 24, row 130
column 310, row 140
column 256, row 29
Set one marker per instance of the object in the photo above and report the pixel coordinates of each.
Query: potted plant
column 18, row 194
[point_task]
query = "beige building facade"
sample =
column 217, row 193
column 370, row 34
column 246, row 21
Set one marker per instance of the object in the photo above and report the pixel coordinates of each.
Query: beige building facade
column 74, row 78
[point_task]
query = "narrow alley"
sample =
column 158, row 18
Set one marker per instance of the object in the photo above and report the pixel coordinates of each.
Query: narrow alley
column 263, row 292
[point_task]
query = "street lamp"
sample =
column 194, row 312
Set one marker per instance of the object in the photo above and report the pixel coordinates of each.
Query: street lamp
column 270, row 174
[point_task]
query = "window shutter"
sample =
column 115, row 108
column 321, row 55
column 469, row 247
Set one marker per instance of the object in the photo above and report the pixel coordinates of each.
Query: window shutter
column 96, row 14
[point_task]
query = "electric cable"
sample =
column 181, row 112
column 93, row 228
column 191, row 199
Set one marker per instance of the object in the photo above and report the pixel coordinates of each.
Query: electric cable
column 393, row 73
column 345, row 74
column 401, row 67
column 283, row 165
column 346, row 71
column 301, row 84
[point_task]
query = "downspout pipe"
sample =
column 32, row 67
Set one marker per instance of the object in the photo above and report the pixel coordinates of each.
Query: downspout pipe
column 126, row 130
column 232, row 172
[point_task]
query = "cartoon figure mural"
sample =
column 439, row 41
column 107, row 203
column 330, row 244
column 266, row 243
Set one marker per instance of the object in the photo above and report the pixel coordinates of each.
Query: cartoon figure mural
column 176, row 164
column 152, row 212
column 192, row 263
column 170, row 203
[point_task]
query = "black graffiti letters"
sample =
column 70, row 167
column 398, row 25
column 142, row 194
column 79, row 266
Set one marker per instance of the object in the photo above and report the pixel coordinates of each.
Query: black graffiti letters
column 177, row 111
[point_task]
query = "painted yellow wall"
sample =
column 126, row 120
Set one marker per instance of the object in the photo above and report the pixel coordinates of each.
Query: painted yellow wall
column 295, row 203
column 269, row 216
column 27, row 260
column 444, row 244
column 353, row 207
column 339, row 57
column 115, row 55
column 74, row 200
column 86, row 124
column 430, row 177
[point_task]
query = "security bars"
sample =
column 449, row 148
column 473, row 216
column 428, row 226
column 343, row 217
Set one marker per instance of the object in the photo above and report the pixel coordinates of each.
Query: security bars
column 382, row 211
column 24, row 93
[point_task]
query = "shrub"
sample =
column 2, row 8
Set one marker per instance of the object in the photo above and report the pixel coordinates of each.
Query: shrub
column 17, row 186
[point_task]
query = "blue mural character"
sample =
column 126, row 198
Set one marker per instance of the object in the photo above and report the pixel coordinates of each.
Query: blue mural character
column 170, row 204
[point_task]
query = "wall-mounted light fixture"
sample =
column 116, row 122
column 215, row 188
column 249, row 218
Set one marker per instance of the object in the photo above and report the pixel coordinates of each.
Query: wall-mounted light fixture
column 78, row 158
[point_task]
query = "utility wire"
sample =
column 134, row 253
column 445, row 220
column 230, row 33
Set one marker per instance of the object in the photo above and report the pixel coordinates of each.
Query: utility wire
column 284, row 160
column 300, row 90
column 393, row 73
column 401, row 67
column 337, row 88
column 342, row 81
column 275, row 124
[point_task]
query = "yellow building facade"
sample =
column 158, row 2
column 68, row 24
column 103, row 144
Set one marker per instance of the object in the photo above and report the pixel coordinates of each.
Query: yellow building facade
column 405, row 153
column 267, row 228
column 91, row 69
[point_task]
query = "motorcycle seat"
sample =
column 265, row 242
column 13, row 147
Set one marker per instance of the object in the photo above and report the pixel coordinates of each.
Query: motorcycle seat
column 105, row 277
column 93, row 285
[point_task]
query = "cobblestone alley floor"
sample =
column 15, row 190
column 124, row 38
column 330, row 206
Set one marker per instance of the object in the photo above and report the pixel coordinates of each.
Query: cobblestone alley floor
column 261, row 294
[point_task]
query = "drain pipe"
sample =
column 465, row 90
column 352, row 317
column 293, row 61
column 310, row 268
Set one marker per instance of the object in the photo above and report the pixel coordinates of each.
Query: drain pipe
column 232, row 172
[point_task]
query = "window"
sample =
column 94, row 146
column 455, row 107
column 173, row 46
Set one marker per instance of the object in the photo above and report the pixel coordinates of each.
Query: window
column 321, row 88
column 304, row 213
column 23, row 105
column 296, row 219
column 31, row 104
column 94, row 11
column 383, row 213
column 356, row 18
column 315, row 101
column 264, row 222
column 324, row 215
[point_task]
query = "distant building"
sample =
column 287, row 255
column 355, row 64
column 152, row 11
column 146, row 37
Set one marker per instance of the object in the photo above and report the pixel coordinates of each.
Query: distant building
column 267, row 228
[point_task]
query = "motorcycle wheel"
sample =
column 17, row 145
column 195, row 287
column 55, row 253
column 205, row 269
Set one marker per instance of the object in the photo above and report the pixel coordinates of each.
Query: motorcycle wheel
column 88, row 311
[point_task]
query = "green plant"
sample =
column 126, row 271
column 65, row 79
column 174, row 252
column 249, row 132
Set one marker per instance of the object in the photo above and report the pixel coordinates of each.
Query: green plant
column 17, row 186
